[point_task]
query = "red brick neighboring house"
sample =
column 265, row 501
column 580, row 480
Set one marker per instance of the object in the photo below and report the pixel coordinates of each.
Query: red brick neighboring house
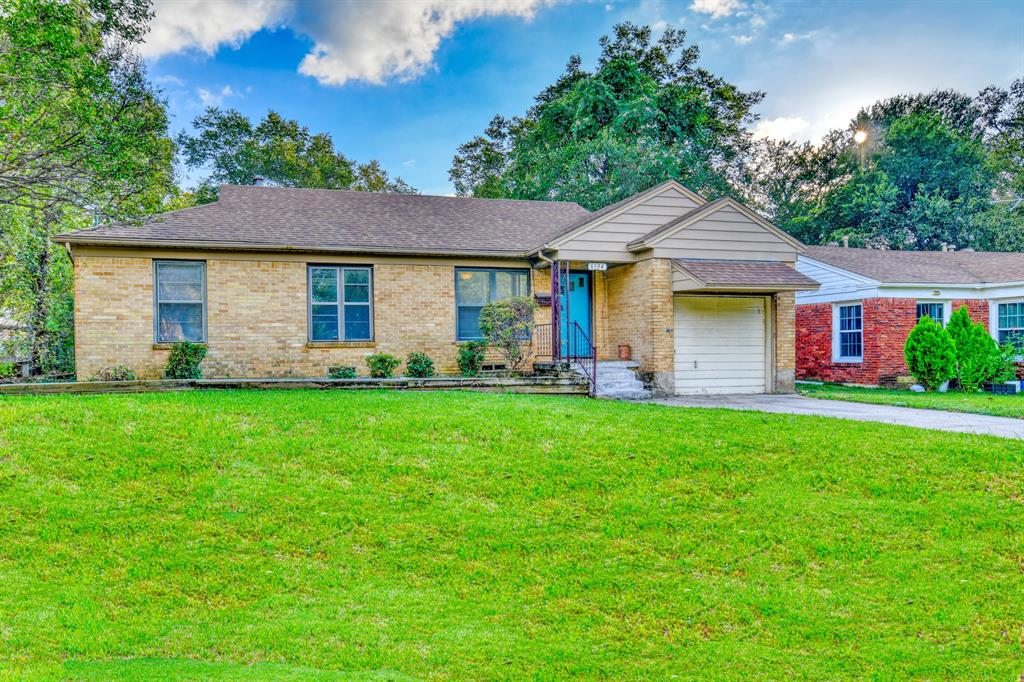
column 852, row 329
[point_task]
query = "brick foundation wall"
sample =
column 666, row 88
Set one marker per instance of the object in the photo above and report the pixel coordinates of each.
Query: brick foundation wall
column 257, row 319
column 887, row 323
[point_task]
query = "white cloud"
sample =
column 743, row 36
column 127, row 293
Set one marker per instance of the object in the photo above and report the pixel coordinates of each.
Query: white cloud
column 352, row 39
column 182, row 25
column 168, row 79
column 795, row 37
column 742, row 40
column 375, row 42
column 211, row 98
column 716, row 8
column 781, row 128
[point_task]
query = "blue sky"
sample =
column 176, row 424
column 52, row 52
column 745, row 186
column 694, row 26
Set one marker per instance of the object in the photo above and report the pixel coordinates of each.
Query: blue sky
column 406, row 82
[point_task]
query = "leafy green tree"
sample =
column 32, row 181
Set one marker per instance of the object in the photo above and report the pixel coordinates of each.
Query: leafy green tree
column 278, row 151
column 79, row 122
column 646, row 113
column 83, row 138
column 930, row 354
column 938, row 168
column 36, row 281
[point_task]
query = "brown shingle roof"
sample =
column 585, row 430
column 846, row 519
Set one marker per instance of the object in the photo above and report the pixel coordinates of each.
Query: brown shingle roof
column 726, row 273
column 924, row 267
column 337, row 220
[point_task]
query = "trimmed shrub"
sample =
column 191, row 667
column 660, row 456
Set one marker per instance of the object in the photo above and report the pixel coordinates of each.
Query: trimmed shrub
column 341, row 372
column 7, row 370
column 507, row 325
column 419, row 365
column 1004, row 365
column 184, row 360
column 978, row 358
column 382, row 365
column 115, row 373
column 930, row 355
column 471, row 358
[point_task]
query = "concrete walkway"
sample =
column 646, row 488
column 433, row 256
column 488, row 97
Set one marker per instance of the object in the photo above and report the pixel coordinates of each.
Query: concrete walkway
column 941, row 420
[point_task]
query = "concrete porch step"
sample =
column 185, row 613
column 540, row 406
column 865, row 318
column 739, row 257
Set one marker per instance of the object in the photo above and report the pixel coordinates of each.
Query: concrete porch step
column 625, row 394
column 617, row 380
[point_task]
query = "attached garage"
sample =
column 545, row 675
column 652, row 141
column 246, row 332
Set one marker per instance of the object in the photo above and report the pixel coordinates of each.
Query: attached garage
column 721, row 344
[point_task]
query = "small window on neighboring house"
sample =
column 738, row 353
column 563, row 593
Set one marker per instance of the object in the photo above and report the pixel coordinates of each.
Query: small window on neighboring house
column 1011, row 324
column 936, row 311
column 476, row 287
column 180, row 301
column 340, row 307
column 849, row 336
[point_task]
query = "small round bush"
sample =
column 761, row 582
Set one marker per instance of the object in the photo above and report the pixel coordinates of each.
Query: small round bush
column 115, row 373
column 471, row 357
column 184, row 360
column 930, row 354
column 419, row 365
column 382, row 365
column 341, row 372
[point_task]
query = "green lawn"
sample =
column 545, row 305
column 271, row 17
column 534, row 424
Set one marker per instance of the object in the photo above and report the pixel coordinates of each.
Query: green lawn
column 342, row 535
column 980, row 403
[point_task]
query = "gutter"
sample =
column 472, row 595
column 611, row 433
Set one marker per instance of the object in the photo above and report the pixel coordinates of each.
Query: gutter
column 284, row 248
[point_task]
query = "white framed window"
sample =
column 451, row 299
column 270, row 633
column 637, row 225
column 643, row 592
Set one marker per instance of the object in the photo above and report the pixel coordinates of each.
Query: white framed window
column 848, row 332
column 476, row 287
column 937, row 310
column 1010, row 324
column 340, row 303
column 179, row 301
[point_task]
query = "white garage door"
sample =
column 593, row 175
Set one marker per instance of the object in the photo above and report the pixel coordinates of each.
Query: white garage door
column 720, row 344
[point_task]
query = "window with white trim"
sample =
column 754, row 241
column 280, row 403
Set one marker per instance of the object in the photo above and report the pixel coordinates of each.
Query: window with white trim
column 849, row 336
column 476, row 287
column 936, row 311
column 179, row 300
column 340, row 303
column 1011, row 324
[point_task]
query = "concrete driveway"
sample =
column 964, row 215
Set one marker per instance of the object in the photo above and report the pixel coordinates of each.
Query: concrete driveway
column 962, row 422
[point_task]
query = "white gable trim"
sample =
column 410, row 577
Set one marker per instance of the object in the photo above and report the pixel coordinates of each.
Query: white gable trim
column 921, row 292
column 835, row 269
column 727, row 202
column 633, row 202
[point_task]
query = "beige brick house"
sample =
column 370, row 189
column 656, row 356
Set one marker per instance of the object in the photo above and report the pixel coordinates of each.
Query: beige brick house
column 287, row 282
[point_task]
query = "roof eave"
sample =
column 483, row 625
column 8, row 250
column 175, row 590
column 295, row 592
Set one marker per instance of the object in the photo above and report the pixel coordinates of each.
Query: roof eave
column 280, row 248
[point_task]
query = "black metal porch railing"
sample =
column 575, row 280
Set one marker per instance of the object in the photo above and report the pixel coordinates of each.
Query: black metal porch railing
column 576, row 350
column 582, row 353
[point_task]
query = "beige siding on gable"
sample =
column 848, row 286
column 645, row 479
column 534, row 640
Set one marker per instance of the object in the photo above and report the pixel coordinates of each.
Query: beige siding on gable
column 726, row 234
column 607, row 241
column 683, row 282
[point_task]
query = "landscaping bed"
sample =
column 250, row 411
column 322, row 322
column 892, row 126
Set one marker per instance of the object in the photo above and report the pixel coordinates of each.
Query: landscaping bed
column 389, row 535
column 977, row 403
column 521, row 384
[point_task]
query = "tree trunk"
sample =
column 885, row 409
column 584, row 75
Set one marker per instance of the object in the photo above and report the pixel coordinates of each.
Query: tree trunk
column 38, row 333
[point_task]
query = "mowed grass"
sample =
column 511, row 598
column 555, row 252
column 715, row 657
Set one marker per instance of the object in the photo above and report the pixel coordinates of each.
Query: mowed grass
column 340, row 535
column 978, row 403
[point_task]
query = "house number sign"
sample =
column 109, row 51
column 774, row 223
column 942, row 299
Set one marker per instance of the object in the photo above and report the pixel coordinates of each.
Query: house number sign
column 597, row 266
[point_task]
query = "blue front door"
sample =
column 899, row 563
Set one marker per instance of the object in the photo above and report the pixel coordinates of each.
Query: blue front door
column 575, row 308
